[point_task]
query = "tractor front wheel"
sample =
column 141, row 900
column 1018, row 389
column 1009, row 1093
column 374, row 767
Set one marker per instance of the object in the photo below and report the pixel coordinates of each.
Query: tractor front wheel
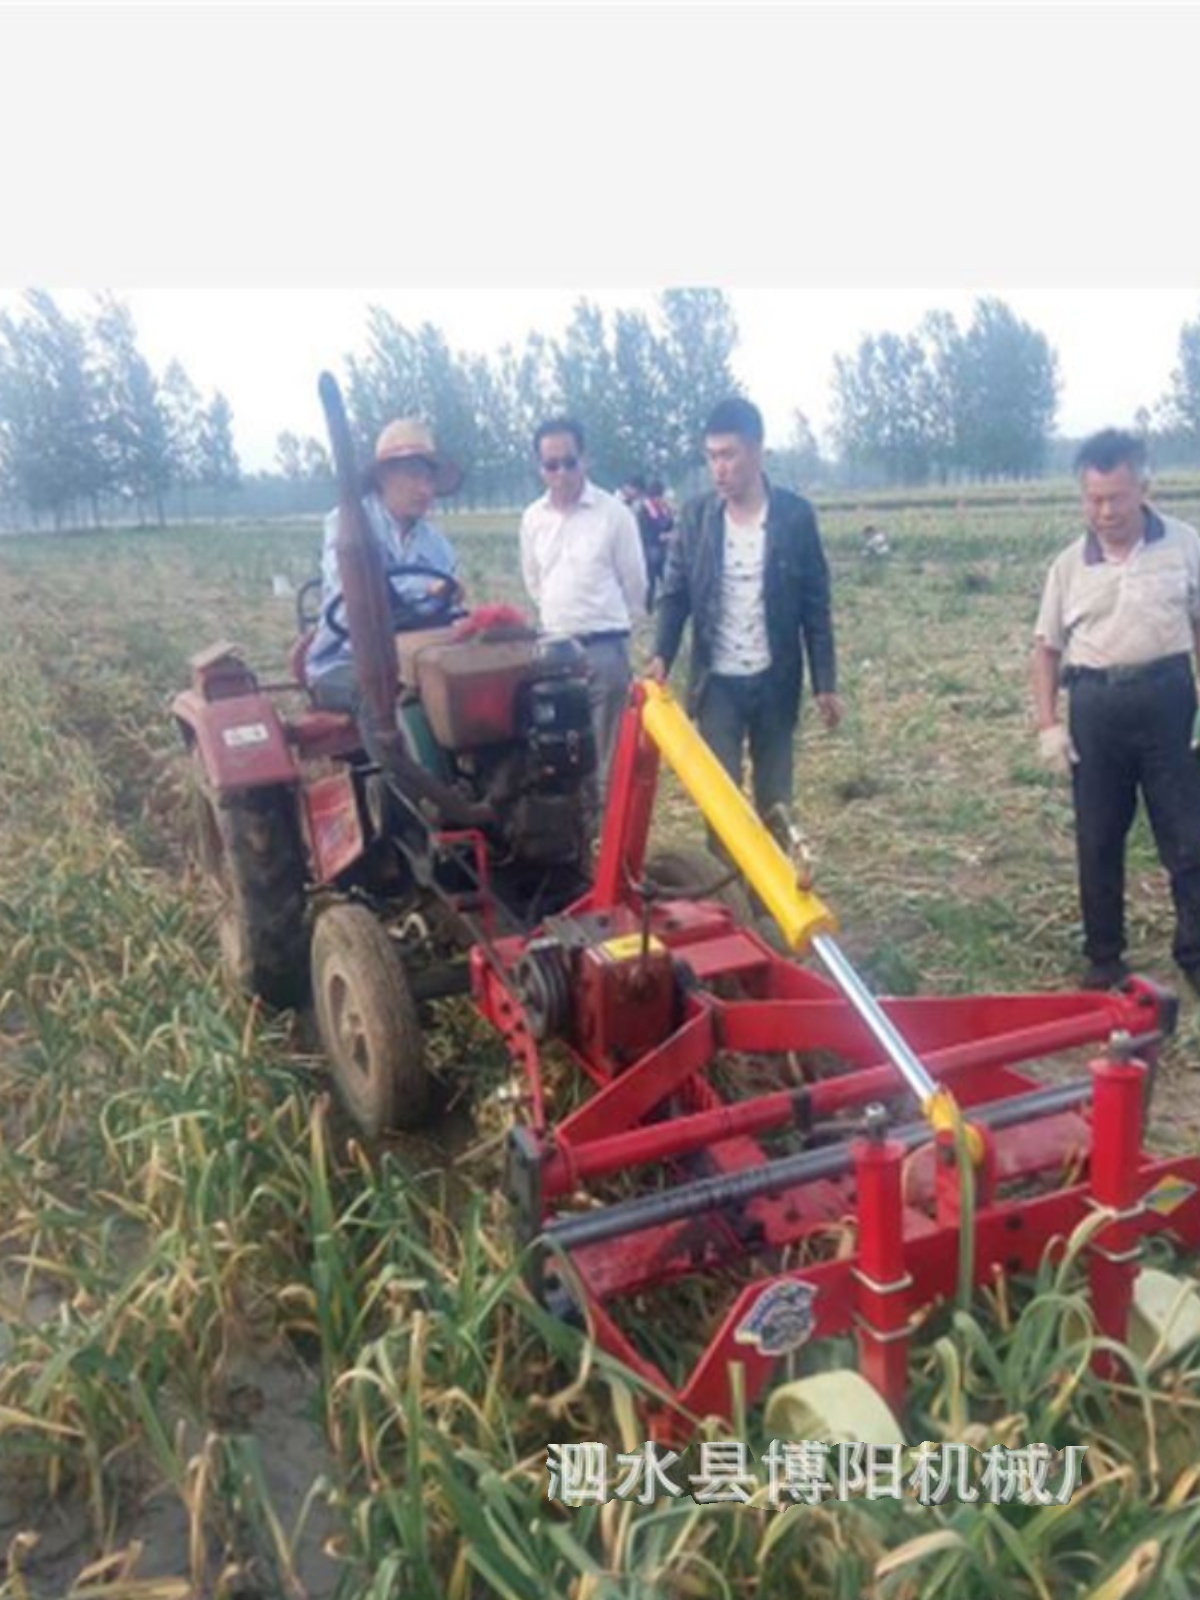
column 368, row 1022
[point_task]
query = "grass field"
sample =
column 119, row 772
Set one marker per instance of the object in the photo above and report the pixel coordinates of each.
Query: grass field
column 239, row 1357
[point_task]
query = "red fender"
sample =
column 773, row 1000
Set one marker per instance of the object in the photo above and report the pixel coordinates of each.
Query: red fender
column 241, row 741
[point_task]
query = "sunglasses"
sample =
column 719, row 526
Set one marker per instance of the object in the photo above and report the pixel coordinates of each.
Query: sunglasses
column 560, row 464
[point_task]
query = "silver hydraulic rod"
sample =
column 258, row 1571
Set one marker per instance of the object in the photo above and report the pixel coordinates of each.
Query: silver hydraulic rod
column 897, row 1050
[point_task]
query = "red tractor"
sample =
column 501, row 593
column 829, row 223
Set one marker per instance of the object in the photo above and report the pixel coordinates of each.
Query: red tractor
column 359, row 859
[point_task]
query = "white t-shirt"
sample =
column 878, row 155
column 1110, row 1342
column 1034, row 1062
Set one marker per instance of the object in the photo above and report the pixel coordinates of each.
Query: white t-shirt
column 741, row 647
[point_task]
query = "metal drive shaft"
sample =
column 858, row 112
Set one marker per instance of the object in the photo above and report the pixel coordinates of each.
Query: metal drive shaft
column 571, row 1231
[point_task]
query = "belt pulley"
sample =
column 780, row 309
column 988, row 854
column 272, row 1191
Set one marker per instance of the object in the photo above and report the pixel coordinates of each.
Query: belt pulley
column 542, row 979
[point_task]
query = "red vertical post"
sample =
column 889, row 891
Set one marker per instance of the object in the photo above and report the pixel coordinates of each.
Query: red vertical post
column 1118, row 1114
column 632, row 782
column 880, row 1274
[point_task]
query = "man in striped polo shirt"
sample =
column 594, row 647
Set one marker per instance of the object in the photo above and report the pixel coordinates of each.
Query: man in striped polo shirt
column 1118, row 627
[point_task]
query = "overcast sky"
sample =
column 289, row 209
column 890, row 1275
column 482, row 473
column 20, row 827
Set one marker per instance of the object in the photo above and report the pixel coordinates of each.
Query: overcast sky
column 243, row 175
column 264, row 348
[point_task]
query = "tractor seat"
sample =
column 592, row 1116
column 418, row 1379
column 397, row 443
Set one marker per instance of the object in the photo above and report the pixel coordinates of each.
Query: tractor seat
column 335, row 735
column 323, row 734
column 317, row 733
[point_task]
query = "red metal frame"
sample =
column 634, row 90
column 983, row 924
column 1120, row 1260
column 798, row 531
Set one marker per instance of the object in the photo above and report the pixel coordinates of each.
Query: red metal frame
column 481, row 862
column 896, row 1205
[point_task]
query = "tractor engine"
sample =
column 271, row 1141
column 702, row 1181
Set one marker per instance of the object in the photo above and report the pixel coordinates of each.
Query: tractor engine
column 511, row 710
column 537, row 784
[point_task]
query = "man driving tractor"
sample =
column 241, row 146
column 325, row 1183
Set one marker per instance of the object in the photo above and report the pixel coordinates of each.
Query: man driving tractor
column 406, row 476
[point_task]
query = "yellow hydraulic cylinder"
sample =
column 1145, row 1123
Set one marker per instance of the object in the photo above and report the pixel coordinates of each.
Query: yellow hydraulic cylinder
column 799, row 913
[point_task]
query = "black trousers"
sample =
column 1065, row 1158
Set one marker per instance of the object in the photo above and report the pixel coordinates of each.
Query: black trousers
column 655, row 562
column 1135, row 735
column 735, row 711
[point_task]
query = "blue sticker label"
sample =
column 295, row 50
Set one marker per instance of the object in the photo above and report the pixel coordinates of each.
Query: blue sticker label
column 781, row 1319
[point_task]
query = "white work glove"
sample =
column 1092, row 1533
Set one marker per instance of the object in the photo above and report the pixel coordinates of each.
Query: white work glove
column 1056, row 749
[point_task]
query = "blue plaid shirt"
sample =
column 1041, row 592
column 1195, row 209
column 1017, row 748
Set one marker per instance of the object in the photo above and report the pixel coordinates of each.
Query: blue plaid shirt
column 423, row 544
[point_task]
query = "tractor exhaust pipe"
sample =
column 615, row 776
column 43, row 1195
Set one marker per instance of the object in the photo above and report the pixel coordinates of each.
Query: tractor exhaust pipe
column 364, row 588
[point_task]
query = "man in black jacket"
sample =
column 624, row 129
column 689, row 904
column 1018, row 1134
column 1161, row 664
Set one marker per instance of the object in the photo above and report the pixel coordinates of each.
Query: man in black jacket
column 749, row 569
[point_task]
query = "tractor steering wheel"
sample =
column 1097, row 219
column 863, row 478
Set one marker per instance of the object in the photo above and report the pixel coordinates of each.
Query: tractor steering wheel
column 408, row 613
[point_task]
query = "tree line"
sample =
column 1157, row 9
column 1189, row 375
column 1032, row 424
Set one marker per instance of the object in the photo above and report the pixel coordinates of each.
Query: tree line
column 943, row 403
column 89, row 430
column 641, row 384
column 943, row 400
column 980, row 403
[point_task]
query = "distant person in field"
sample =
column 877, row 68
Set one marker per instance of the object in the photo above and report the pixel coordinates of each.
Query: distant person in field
column 632, row 492
column 876, row 543
column 656, row 523
column 582, row 563
column 1118, row 627
column 406, row 476
column 749, row 570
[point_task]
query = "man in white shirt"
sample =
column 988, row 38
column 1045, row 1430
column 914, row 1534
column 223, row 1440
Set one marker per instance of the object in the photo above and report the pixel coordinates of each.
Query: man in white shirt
column 1118, row 626
column 582, row 563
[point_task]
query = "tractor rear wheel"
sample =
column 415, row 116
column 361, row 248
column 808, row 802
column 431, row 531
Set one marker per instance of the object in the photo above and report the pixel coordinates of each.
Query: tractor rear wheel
column 368, row 1023
column 251, row 851
column 687, row 869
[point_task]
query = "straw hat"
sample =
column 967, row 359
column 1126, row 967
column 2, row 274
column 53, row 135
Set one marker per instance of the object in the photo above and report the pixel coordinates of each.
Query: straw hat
column 409, row 439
